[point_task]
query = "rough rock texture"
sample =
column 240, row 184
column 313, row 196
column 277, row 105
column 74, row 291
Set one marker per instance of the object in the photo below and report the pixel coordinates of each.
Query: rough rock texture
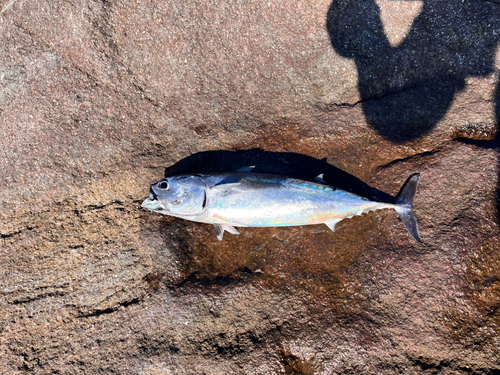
column 97, row 98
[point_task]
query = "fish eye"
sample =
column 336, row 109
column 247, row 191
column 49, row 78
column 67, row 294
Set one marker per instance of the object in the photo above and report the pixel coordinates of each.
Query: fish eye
column 163, row 185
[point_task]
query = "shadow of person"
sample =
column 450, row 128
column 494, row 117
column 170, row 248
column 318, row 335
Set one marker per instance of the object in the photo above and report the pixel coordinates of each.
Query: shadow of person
column 406, row 90
column 286, row 164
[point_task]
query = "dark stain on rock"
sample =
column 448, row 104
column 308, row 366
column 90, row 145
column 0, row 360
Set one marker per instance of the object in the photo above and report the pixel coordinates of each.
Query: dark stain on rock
column 308, row 261
column 294, row 365
column 153, row 280
column 482, row 286
column 201, row 129
column 431, row 364
column 284, row 135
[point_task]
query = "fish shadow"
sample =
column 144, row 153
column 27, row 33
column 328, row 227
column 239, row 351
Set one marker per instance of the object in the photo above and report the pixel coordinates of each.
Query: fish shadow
column 281, row 163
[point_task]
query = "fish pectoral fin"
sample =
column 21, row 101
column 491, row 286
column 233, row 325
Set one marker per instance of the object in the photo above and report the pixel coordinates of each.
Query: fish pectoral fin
column 245, row 169
column 331, row 224
column 224, row 188
column 220, row 228
column 229, row 184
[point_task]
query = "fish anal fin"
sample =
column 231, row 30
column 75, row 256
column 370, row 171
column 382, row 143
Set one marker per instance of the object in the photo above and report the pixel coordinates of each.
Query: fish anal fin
column 220, row 228
column 331, row 224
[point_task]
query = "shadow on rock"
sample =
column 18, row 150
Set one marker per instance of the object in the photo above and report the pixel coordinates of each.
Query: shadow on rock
column 282, row 163
column 406, row 90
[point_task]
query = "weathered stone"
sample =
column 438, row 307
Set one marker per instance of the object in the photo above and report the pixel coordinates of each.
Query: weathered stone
column 97, row 98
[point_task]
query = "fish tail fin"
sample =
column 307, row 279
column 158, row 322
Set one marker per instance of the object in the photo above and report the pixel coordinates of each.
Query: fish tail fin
column 404, row 205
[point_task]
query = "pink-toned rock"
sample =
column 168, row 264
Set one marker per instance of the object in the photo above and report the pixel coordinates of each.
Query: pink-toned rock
column 97, row 98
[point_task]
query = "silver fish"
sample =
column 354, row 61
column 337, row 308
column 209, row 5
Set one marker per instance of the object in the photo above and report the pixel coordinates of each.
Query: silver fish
column 245, row 199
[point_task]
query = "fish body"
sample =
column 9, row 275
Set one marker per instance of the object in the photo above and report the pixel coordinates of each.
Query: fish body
column 245, row 199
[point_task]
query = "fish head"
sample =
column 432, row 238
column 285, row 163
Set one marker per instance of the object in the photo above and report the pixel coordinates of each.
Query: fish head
column 177, row 196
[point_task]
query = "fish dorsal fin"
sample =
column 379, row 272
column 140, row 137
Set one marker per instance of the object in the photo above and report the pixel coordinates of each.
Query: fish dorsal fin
column 245, row 169
column 220, row 228
column 319, row 178
column 331, row 224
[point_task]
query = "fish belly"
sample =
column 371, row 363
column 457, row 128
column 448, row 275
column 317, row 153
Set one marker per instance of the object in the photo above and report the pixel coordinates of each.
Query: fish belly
column 289, row 204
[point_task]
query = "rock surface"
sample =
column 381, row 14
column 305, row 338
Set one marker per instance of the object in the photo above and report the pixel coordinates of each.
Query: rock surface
column 97, row 98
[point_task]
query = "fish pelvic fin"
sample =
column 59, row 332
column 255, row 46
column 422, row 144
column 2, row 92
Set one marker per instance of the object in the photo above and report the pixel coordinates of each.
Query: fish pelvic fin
column 220, row 228
column 404, row 205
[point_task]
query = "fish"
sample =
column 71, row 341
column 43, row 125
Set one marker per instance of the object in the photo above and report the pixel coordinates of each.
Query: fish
column 245, row 199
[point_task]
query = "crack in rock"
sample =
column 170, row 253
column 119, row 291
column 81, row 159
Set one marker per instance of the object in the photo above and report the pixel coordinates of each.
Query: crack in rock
column 409, row 158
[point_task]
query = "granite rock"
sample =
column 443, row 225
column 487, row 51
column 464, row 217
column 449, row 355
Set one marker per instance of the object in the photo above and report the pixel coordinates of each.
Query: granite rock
column 99, row 99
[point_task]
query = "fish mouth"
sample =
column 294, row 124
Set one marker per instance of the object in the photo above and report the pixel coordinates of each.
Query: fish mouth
column 152, row 194
column 152, row 203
